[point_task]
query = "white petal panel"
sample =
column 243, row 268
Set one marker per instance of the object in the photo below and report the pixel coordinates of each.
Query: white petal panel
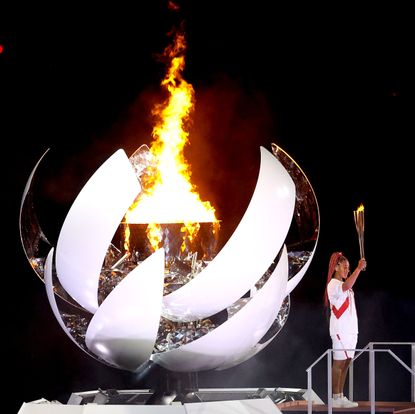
column 235, row 338
column 90, row 226
column 247, row 254
column 124, row 328
column 253, row 351
column 52, row 300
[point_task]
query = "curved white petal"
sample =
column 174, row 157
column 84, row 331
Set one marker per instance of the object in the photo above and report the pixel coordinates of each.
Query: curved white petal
column 295, row 280
column 247, row 254
column 90, row 226
column 235, row 338
column 52, row 300
column 124, row 328
column 252, row 352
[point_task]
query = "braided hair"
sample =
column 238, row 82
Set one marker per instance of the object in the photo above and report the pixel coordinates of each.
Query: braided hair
column 335, row 258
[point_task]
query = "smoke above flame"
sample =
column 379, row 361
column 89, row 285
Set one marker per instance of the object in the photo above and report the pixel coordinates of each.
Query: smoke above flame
column 168, row 195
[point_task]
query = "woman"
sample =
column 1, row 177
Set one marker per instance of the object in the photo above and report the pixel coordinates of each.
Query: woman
column 343, row 321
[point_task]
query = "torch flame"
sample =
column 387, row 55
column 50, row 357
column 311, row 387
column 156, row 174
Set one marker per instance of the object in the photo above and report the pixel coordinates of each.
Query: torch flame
column 170, row 197
column 359, row 219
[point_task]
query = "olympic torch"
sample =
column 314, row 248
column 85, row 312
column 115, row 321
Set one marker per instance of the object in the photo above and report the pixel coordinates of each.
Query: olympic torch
column 359, row 220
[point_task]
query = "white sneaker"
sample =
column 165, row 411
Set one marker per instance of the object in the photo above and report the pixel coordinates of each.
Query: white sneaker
column 337, row 403
column 347, row 403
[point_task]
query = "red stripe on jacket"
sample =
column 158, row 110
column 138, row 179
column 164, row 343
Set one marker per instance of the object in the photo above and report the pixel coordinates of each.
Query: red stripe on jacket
column 339, row 312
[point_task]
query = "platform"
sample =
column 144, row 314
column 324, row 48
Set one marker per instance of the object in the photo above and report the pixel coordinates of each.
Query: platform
column 384, row 407
column 203, row 400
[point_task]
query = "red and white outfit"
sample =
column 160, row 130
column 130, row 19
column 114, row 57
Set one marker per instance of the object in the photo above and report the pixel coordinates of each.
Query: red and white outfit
column 343, row 319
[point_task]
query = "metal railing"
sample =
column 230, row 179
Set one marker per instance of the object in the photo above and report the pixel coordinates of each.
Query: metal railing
column 368, row 348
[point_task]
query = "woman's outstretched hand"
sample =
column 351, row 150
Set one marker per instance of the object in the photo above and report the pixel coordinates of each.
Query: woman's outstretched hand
column 362, row 264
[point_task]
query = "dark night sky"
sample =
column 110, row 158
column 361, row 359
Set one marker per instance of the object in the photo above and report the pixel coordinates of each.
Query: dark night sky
column 330, row 86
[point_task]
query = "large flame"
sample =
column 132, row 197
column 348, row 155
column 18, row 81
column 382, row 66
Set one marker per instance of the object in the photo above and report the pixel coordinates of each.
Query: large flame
column 169, row 196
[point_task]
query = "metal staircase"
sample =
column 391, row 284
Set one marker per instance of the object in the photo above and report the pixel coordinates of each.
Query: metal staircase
column 370, row 348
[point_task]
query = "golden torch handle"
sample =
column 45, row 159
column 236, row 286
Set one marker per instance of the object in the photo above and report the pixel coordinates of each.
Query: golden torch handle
column 359, row 219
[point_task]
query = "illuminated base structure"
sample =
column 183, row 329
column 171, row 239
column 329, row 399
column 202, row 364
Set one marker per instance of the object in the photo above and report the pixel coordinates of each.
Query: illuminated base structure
column 189, row 395
column 203, row 401
column 189, row 400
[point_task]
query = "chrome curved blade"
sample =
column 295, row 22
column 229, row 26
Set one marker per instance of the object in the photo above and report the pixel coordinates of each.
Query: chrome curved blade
column 35, row 243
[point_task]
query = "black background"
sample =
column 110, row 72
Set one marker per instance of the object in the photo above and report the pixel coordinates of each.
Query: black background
column 327, row 84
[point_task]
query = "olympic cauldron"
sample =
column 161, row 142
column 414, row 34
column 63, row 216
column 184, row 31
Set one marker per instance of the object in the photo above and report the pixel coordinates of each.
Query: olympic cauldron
column 189, row 310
